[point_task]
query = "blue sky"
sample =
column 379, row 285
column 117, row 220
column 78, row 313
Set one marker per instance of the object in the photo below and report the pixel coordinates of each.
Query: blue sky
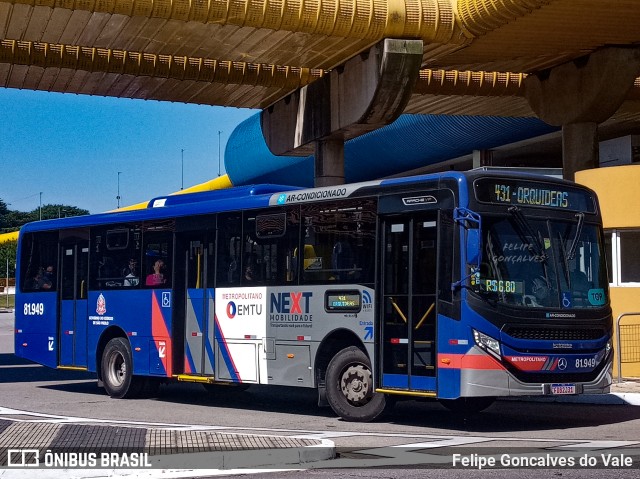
column 71, row 147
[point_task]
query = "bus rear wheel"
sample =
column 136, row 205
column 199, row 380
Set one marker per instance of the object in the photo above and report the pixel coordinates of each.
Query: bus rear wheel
column 349, row 387
column 117, row 370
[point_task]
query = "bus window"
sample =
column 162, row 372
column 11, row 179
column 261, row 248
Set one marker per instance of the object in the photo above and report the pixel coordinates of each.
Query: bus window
column 115, row 258
column 39, row 261
column 229, row 249
column 157, row 247
column 338, row 240
column 269, row 243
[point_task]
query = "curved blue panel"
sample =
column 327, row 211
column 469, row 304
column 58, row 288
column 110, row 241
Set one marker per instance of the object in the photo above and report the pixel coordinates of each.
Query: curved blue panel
column 412, row 141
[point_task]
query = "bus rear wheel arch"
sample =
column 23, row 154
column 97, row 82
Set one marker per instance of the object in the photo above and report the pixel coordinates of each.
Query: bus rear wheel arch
column 349, row 387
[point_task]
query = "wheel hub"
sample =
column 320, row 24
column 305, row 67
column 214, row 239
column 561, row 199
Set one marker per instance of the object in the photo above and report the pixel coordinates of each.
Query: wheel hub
column 356, row 384
column 118, row 369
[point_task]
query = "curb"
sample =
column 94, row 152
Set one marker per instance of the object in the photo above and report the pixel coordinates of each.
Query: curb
column 117, row 450
column 283, row 458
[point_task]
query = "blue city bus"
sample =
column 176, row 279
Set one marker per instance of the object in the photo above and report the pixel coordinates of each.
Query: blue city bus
column 460, row 287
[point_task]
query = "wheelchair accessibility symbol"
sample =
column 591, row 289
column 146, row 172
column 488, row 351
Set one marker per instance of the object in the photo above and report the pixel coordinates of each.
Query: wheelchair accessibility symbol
column 566, row 300
column 166, row 299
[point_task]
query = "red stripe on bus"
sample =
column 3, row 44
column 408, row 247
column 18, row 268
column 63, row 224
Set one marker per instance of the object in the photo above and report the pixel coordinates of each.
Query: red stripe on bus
column 160, row 332
column 468, row 361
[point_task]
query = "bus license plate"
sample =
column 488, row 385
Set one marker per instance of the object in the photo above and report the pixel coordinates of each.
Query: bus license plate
column 563, row 389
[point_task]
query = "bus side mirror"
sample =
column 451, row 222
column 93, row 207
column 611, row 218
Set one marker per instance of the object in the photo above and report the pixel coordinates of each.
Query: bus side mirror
column 474, row 250
column 471, row 222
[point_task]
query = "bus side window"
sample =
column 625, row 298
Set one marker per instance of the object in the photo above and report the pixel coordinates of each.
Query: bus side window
column 115, row 256
column 342, row 237
column 39, row 262
column 157, row 259
column 229, row 249
column 270, row 240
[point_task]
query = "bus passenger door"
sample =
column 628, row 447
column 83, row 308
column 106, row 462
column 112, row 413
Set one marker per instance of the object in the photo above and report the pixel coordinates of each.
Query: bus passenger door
column 198, row 255
column 408, row 308
column 72, row 328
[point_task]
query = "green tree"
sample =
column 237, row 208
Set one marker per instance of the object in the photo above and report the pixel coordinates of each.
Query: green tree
column 12, row 220
column 8, row 251
column 3, row 213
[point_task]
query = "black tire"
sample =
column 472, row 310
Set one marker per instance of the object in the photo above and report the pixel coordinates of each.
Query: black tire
column 117, row 370
column 349, row 387
column 468, row 405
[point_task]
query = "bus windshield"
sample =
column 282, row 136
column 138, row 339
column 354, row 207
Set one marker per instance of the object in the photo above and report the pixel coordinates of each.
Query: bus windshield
column 533, row 263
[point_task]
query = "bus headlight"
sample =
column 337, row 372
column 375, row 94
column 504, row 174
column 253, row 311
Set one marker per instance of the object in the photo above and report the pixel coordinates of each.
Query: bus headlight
column 487, row 343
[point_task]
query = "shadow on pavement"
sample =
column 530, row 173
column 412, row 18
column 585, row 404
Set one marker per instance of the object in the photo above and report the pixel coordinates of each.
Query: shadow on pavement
column 17, row 370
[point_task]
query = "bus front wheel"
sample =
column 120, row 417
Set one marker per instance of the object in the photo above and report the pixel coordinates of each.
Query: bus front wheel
column 117, row 370
column 349, row 387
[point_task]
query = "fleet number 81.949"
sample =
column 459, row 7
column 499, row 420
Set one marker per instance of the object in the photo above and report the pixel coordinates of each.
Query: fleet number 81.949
column 33, row 309
column 585, row 363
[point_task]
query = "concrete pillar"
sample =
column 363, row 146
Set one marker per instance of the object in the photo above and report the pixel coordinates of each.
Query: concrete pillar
column 329, row 162
column 579, row 148
column 482, row 158
column 366, row 93
column 580, row 94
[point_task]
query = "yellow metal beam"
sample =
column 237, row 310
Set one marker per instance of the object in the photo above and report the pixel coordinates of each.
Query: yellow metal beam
column 478, row 17
column 106, row 60
column 439, row 21
column 429, row 20
column 287, row 78
column 454, row 82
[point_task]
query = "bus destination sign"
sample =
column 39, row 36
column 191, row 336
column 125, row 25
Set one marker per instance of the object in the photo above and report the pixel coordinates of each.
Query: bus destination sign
column 533, row 193
column 347, row 301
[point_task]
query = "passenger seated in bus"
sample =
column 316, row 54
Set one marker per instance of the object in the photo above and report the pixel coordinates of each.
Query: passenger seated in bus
column 248, row 274
column 157, row 278
column 40, row 281
column 130, row 273
column 49, row 275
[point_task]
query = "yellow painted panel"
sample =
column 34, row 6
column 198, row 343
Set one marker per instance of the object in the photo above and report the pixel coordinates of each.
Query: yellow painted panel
column 5, row 237
column 616, row 187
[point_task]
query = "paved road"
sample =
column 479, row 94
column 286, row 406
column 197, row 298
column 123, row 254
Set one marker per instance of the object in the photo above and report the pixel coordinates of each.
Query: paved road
column 69, row 399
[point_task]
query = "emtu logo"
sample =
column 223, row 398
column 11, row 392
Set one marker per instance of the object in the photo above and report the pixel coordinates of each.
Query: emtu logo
column 234, row 309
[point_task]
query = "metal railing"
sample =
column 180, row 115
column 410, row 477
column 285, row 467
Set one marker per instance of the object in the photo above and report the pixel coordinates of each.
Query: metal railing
column 632, row 331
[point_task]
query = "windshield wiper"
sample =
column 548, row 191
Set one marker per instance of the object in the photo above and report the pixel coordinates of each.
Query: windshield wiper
column 571, row 253
column 565, row 259
column 527, row 233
